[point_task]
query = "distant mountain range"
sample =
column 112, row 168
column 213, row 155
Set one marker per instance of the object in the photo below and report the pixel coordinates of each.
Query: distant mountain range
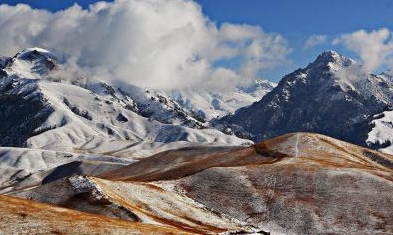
column 210, row 103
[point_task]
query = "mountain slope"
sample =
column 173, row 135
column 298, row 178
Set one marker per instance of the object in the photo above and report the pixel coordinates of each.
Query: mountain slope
column 324, row 98
column 148, row 103
column 39, row 109
column 295, row 184
column 56, row 123
column 299, row 183
column 21, row 216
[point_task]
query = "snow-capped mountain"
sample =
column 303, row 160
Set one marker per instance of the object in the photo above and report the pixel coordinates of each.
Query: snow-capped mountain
column 330, row 96
column 148, row 103
column 209, row 104
column 39, row 109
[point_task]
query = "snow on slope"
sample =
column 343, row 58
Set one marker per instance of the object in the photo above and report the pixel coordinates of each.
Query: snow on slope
column 381, row 134
column 147, row 103
column 66, row 117
column 38, row 159
column 23, row 167
column 85, row 119
column 331, row 96
column 276, row 186
column 210, row 104
column 67, row 125
column 32, row 63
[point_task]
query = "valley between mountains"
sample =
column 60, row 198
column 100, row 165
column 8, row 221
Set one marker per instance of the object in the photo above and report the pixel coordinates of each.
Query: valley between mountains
column 309, row 155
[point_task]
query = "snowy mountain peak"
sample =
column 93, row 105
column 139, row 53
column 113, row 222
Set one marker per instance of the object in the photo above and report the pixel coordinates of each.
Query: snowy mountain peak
column 332, row 60
column 32, row 63
column 329, row 96
column 35, row 53
column 330, row 54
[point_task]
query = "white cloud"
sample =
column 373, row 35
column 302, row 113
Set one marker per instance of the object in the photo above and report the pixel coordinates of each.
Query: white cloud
column 375, row 48
column 315, row 40
column 153, row 43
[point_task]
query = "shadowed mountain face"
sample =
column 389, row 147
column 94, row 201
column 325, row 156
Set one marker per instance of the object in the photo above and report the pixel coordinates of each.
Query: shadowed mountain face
column 326, row 97
column 294, row 184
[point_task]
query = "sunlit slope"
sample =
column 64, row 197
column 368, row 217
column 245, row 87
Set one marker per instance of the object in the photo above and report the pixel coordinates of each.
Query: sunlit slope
column 20, row 216
column 298, row 183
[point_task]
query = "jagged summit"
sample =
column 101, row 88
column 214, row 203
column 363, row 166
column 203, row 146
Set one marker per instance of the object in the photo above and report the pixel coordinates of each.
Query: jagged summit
column 329, row 55
column 333, row 60
column 323, row 71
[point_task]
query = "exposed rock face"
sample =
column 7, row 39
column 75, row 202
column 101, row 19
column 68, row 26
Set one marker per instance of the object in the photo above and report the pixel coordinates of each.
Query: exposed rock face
column 324, row 98
column 295, row 184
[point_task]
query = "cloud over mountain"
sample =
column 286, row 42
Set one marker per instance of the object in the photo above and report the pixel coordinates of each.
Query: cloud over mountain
column 375, row 48
column 162, row 44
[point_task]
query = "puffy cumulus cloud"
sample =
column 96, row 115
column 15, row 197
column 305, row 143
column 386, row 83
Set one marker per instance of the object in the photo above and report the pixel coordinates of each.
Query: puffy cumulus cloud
column 315, row 40
column 375, row 48
column 152, row 43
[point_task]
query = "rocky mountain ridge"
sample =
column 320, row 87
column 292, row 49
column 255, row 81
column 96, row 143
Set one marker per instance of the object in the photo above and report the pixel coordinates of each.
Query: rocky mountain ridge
column 330, row 96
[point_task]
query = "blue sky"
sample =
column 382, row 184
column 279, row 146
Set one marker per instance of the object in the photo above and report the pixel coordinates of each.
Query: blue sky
column 298, row 20
column 295, row 20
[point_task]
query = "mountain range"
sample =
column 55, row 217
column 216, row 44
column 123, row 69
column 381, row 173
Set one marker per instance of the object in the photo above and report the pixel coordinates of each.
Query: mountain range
column 39, row 109
column 330, row 96
column 80, row 155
